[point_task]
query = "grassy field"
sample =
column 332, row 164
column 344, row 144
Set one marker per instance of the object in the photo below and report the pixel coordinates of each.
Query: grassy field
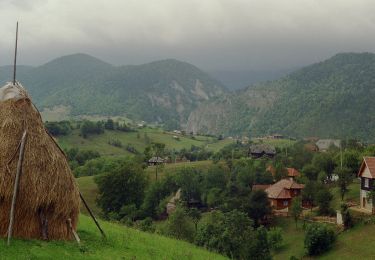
column 293, row 239
column 356, row 243
column 280, row 143
column 173, row 167
column 89, row 191
column 139, row 141
column 122, row 243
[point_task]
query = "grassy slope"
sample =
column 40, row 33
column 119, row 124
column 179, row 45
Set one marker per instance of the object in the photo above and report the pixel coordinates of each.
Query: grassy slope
column 356, row 243
column 122, row 243
column 89, row 191
column 100, row 142
column 352, row 244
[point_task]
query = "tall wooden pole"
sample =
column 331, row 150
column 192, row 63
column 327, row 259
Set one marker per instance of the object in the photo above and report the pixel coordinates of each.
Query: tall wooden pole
column 15, row 57
column 92, row 215
column 16, row 185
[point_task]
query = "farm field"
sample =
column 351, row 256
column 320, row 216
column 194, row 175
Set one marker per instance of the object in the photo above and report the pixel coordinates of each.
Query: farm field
column 138, row 141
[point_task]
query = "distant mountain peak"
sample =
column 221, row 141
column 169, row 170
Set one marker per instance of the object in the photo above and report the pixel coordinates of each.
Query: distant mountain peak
column 80, row 59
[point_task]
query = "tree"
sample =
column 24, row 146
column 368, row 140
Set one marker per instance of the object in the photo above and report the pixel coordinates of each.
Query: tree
column 109, row 124
column 280, row 172
column 310, row 172
column 309, row 192
column 258, row 206
column 345, row 178
column 296, row 208
column 324, row 163
column 190, row 182
column 158, row 151
column 195, row 215
column 232, row 234
column 121, row 186
column 318, row 239
column 323, row 199
column 179, row 225
column 346, row 216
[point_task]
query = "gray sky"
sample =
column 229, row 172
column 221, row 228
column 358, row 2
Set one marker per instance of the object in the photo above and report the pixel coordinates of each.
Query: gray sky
column 212, row 34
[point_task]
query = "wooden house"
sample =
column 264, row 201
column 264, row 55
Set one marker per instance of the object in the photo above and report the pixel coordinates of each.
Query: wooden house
column 262, row 150
column 282, row 192
column 155, row 161
column 367, row 176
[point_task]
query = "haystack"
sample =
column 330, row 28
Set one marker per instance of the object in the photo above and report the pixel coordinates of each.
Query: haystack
column 48, row 195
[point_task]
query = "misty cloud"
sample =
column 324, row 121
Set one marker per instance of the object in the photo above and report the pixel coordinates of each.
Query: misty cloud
column 213, row 34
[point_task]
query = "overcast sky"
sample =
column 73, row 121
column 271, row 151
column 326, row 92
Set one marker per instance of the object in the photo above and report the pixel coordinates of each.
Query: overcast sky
column 212, row 34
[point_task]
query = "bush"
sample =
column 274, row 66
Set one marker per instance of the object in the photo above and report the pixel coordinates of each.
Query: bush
column 123, row 185
column 179, row 225
column 318, row 239
column 146, row 225
column 275, row 238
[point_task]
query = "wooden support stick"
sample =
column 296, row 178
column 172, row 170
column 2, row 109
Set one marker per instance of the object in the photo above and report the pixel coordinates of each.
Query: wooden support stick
column 15, row 57
column 16, row 185
column 73, row 231
column 92, row 215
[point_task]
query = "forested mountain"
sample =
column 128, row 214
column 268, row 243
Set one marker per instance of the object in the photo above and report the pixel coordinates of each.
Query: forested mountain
column 333, row 98
column 163, row 91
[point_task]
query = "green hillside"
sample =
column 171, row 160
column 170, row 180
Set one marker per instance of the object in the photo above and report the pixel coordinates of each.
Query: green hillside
column 327, row 99
column 122, row 243
column 138, row 141
column 162, row 91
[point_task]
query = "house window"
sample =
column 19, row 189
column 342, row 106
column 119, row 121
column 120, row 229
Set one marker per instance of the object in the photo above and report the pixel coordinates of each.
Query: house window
column 367, row 184
column 285, row 203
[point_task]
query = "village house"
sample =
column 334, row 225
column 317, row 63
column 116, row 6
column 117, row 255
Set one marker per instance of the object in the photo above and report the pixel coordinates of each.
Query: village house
column 293, row 173
column 367, row 175
column 282, row 193
column 262, row 150
column 155, row 161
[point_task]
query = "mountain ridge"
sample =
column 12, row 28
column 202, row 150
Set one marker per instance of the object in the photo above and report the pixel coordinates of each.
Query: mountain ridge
column 331, row 98
column 164, row 91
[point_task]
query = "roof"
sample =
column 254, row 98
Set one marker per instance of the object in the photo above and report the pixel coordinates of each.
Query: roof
column 325, row 144
column 262, row 148
column 279, row 190
column 156, row 160
column 293, row 172
column 370, row 163
column 271, row 169
column 260, row 187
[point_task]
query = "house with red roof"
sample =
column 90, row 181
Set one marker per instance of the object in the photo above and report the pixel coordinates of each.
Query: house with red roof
column 367, row 175
column 282, row 193
column 293, row 173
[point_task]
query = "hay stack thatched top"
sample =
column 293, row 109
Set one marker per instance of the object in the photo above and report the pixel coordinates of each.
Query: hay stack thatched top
column 47, row 189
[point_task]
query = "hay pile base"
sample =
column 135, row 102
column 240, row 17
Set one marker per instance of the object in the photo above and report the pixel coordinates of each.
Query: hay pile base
column 47, row 186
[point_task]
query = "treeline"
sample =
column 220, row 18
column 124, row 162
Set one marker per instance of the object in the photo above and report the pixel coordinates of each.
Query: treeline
column 86, row 127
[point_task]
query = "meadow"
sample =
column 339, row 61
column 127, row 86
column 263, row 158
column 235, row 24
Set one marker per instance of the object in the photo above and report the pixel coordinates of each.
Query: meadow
column 121, row 243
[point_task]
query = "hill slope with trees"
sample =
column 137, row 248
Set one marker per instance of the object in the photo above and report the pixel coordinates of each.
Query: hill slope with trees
column 162, row 91
column 332, row 98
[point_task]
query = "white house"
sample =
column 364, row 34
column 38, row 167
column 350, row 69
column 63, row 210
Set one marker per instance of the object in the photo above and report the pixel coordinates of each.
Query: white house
column 367, row 175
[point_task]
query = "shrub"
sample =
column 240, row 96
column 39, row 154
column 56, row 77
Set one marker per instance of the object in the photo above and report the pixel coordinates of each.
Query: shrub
column 275, row 238
column 179, row 225
column 318, row 239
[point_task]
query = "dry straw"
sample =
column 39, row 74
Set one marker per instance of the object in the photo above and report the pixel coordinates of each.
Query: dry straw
column 47, row 186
